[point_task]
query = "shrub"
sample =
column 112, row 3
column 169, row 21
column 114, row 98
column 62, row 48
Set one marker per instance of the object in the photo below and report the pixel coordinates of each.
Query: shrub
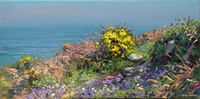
column 180, row 44
column 145, row 34
column 23, row 61
column 66, row 46
column 4, row 85
column 118, row 42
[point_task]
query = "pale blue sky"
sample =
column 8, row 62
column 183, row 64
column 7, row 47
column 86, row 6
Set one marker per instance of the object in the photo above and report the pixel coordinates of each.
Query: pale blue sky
column 45, row 14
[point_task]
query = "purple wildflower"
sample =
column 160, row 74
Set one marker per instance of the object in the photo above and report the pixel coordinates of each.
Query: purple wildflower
column 104, row 82
column 121, row 87
column 120, row 75
column 147, row 84
column 113, row 86
column 90, row 94
column 165, row 71
column 140, row 93
column 131, row 71
column 109, row 81
column 133, row 94
column 118, row 79
column 127, row 85
column 135, row 78
column 124, row 80
column 30, row 97
column 144, row 68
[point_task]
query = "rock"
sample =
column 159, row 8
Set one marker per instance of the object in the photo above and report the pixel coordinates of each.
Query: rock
column 169, row 47
column 134, row 57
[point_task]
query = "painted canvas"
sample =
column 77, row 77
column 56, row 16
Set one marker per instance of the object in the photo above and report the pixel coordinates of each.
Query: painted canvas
column 60, row 49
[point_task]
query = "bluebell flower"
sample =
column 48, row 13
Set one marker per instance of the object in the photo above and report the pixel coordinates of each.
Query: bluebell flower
column 109, row 81
column 135, row 78
column 121, row 87
column 90, row 94
column 127, row 85
column 47, row 94
column 147, row 84
column 113, row 86
column 109, row 93
column 124, row 80
column 37, row 92
column 165, row 71
column 30, row 97
column 62, row 92
column 104, row 82
column 82, row 93
column 133, row 94
column 140, row 93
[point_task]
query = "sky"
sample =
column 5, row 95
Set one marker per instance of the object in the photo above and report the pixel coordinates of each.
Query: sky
column 52, row 13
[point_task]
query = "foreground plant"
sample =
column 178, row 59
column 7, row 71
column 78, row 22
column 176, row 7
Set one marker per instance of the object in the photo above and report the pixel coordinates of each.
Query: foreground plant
column 119, row 42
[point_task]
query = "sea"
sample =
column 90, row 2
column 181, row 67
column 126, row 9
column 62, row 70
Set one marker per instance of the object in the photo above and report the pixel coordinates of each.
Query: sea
column 40, row 29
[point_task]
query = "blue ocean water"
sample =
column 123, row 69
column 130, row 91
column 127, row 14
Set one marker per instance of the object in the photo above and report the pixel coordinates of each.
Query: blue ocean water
column 40, row 29
column 42, row 43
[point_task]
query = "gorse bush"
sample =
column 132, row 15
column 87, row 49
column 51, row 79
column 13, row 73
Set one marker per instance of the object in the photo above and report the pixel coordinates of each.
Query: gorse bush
column 23, row 61
column 119, row 42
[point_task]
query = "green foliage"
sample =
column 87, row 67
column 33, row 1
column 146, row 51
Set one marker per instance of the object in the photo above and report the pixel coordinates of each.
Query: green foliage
column 25, row 63
column 87, row 76
column 122, row 93
column 144, row 50
column 43, row 81
column 4, row 73
column 81, row 75
column 115, row 65
column 176, row 43
column 4, row 85
column 196, row 73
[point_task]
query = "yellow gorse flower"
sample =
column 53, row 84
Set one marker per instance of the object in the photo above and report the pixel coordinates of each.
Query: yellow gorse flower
column 36, row 72
column 119, row 42
column 24, row 60
column 32, row 72
column 97, row 43
column 66, row 46
column 122, row 32
column 115, row 48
